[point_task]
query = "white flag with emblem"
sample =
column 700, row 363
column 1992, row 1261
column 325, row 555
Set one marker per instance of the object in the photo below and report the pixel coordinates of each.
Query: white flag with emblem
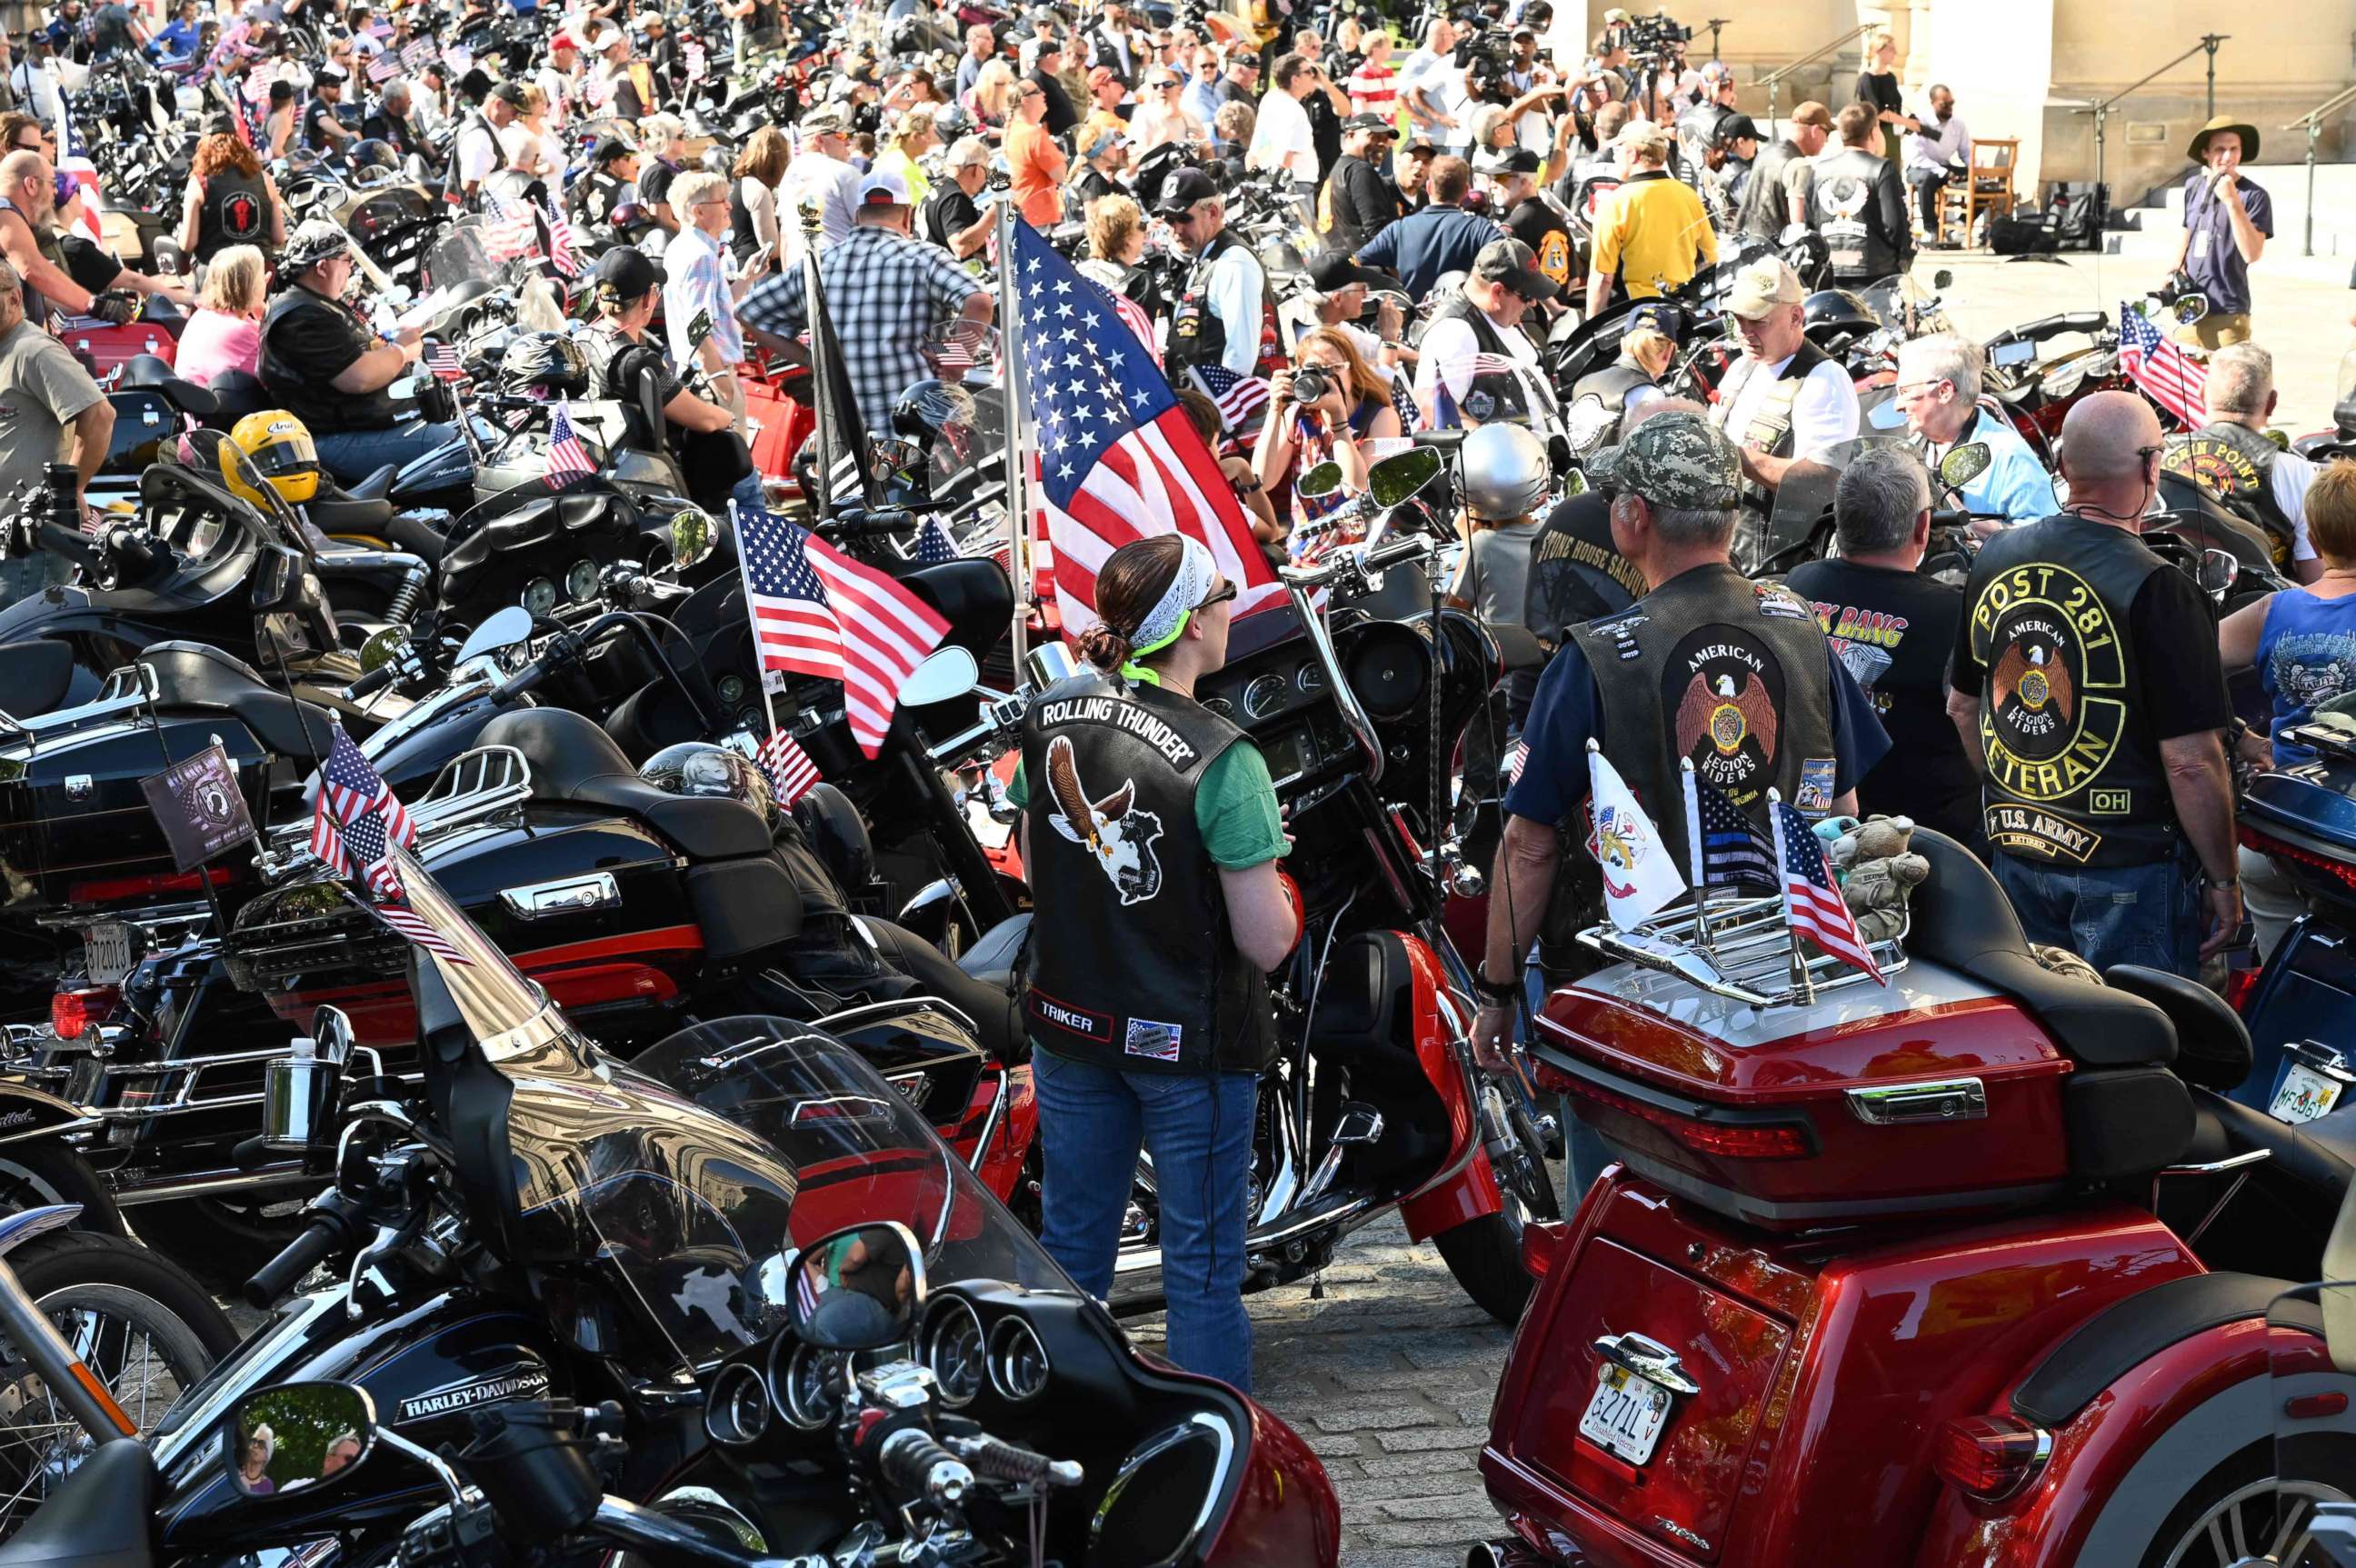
column 1639, row 874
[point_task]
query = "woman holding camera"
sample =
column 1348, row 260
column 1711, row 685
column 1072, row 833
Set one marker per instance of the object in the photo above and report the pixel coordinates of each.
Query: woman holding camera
column 1329, row 403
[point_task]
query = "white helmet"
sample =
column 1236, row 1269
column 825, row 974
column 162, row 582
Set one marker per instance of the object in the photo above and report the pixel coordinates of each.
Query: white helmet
column 1505, row 472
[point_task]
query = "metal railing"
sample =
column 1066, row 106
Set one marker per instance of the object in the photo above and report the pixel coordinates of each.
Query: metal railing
column 2312, row 124
column 2102, row 113
column 1773, row 80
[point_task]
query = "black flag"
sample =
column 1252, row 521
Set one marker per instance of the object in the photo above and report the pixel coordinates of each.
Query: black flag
column 845, row 474
column 199, row 803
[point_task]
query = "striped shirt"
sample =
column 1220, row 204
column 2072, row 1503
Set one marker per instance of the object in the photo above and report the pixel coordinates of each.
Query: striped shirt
column 1373, row 90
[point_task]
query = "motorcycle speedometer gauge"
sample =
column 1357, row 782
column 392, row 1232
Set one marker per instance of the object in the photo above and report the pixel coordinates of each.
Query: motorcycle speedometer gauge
column 1310, row 678
column 539, row 598
column 581, row 582
column 1018, row 1362
column 805, row 1382
column 738, row 1410
column 733, row 690
column 954, row 1350
column 1264, row 695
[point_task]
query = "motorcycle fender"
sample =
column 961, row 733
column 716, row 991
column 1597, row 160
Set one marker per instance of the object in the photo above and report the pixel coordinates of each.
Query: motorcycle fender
column 1464, row 1188
column 2123, row 1461
column 29, row 1113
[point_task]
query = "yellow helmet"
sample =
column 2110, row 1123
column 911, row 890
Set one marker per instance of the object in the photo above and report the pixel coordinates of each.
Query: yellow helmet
column 279, row 446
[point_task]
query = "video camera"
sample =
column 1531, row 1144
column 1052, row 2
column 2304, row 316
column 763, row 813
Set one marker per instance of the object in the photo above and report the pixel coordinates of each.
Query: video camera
column 1487, row 55
column 1654, row 35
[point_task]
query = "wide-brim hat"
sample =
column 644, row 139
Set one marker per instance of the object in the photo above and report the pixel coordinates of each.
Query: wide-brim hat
column 2247, row 131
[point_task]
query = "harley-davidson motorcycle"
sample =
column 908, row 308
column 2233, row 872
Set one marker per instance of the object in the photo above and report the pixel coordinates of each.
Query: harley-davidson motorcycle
column 732, row 1304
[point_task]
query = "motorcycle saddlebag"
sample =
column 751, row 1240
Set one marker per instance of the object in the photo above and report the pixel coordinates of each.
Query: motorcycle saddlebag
column 105, row 346
column 742, row 906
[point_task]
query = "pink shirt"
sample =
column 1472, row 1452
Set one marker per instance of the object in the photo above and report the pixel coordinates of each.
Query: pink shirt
column 214, row 341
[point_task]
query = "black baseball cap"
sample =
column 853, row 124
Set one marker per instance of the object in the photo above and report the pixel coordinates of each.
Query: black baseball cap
column 1183, row 191
column 1515, row 265
column 629, row 271
column 510, row 93
column 1509, row 160
column 608, row 148
column 1334, row 270
column 1735, row 127
column 1369, row 123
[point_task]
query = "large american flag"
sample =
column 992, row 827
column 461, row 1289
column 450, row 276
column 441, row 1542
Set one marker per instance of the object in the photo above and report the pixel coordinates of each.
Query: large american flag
column 1119, row 459
column 817, row 612
column 1729, row 848
column 1239, row 396
column 2167, row 374
column 1812, row 906
column 567, row 458
column 791, row 772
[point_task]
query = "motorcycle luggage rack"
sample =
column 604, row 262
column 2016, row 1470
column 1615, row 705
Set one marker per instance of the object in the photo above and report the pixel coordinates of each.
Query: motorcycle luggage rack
column 1741, row 949
column 472, row 786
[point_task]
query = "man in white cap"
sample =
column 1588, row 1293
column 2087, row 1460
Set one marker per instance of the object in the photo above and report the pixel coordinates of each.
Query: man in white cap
column 820, row 175
column 1785, row 398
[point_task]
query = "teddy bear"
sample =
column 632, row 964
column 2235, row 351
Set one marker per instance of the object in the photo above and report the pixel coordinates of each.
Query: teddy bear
column 1877, row 870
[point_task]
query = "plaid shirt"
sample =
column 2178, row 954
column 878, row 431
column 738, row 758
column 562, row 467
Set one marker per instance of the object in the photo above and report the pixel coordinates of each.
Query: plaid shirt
column 883, row 294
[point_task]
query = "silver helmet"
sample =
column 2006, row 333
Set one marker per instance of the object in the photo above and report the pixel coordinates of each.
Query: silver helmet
column 1505, row 472
column 714, row 772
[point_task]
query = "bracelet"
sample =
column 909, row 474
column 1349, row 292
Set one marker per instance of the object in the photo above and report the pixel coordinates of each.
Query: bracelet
column 1494, row 993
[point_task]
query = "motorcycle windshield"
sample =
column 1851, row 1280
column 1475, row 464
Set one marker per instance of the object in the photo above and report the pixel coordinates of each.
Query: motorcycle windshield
column 461, row 252
column 2301, row 1515
column 690, row 1171
column 1904, row 306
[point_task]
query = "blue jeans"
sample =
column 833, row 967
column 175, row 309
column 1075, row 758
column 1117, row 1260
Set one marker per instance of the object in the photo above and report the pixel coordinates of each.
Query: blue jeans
column 2147, row 914
column 747, row 494
column 353, row 455
column 1198, row 1129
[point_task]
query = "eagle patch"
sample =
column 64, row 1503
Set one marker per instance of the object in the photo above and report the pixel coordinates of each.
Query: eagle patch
column 1117, row 835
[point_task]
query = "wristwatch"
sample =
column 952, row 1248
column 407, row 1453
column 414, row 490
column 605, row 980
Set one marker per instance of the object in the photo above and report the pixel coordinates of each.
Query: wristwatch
column 1491, row 994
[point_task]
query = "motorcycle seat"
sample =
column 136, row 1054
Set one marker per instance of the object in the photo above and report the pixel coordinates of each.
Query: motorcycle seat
column 995, row 954
column 40, row 674
column 375, row 486
column 195, row 675
column 150, row 370
column 2319, row 1154
column 349, row 514
column 100, row 1518
column 1962, row 920
column 2212, row 1044
column 574, row 761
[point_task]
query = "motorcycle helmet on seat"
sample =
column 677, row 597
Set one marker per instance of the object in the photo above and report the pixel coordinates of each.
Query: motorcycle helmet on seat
column 280, row 447
column 1832, row 314
column 1505, row 472
column 373, row 157
column 704, row 771
column 544, row 364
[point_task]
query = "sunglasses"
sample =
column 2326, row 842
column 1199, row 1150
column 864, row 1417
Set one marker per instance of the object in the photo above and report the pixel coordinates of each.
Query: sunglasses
column 1221, row 598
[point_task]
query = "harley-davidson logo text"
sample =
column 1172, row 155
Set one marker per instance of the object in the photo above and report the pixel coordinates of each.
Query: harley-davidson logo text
column 514, row 1385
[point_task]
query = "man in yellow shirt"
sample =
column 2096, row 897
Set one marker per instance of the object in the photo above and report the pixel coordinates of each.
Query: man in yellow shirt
column 1653, row 233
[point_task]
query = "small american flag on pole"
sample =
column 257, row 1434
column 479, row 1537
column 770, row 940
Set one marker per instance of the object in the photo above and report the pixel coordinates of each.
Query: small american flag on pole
column 384, row 66
column 697, row 63
column 567, row 458
column 509, row 232
column 414, row 927
column 933, row 544
column 790, row 771
column 562, row 253
column 2165, row 373
column 1814, row 907
column 365, row 847
column 443, row 361
column 1239, row 396
column 817, row 612
column 350, row 788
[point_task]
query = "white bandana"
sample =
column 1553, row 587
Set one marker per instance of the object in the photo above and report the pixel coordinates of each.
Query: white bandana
column 1196, row 571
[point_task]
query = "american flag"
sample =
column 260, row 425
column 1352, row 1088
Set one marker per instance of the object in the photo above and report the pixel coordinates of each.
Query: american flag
column 1118, row 459
column 460, row 60
column 1728, row 848
column 509, row 232
column 933, row 544
column 1811, row 903
column 567, row 458
column 365, row 847
column 349, row 789
column 696, row 62
column 417, row 930
column 1238, row 396
column 443, row 361
column 417, row 54
column 790, row 771
column 384, row 66
column 73, row 161
column 562, row 251
column 1517, row 761
column 958, row 349
column 380, row 28
column 820, row 613
column 2165, row 373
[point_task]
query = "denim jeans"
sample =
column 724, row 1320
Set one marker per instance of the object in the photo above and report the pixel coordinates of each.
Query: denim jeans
column 747, row 493
column 1198, row 1129
column 353, row 455
column 2147, row 914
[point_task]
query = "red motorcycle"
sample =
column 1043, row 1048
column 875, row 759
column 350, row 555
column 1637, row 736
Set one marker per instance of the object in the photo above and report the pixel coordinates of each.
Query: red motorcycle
column 1916, row 1275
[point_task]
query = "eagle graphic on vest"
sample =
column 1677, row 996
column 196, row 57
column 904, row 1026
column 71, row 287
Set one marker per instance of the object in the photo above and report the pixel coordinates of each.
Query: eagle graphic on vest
column 1726, row 717
column 2034, row 678
column 1118, row 836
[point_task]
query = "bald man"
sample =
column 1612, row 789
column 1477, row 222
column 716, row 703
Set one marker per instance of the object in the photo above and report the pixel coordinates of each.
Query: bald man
column 2087, row 690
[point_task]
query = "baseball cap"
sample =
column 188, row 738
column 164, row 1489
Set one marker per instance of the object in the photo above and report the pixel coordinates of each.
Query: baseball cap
column 629, row 271
column 1369, row 123
column 825, row 120
column 1334, row 271
column 1419, row 142
column 608, row 148
column 1735, row 127
column 1616, row 14
column 884, row 188
column 1515, row 265
column 1676, row 458
column 1183, row 190
column 330, row 76
column 1508, row 160
column 510, row 93
column 1761, row 286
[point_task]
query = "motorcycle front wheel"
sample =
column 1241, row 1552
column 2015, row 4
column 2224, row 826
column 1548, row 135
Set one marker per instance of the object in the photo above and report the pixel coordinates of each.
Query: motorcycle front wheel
column 1485, row 1254
column 141, row 1325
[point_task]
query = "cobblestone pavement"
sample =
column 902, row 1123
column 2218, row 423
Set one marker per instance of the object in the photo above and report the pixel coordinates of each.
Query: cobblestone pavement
column 1388, row 1379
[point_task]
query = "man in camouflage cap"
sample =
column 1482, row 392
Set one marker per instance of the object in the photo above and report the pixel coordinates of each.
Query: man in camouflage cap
column 1734, row 676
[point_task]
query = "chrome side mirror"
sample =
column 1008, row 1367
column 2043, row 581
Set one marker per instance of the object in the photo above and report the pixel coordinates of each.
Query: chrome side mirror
column 859, row 1289
column 299, row 1436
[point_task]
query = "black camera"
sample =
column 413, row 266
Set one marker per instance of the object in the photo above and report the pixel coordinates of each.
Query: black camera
column 1488, row 58
column 1309, row 383
column 1655, row 35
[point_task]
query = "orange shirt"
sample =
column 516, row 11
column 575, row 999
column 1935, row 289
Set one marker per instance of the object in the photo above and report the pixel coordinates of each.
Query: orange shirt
column 1036, row 166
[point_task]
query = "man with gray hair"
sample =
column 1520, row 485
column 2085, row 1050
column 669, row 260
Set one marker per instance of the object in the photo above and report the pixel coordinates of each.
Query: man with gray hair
column 1938, row 390
column 953, row 216
column 1709, row 668
column 47, row 393
column 1891, row 628
column 2234, row 464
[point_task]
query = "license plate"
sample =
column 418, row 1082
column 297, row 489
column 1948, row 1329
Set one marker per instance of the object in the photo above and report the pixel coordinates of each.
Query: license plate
column 106, row 953
column 2304, row 1095
column 1626, row 1415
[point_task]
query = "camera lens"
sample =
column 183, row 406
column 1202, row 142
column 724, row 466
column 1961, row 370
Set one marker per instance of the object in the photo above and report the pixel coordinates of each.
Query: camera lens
column 1309, row 383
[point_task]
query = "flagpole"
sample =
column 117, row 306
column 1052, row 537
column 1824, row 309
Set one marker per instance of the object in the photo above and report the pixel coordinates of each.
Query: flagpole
column 1694, row 855
column 1014, row 385
column 1802, row 980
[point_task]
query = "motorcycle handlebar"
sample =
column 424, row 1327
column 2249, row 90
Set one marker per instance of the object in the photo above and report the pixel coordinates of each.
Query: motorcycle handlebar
column 314, row 1245
column 370, row 684
column 2046, row 327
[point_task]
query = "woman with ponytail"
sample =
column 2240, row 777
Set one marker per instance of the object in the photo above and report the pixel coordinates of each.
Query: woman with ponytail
column 1152, row 835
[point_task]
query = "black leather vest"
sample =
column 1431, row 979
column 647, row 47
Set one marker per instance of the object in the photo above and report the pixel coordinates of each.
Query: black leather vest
column 317, row 404
column 1844, row 207
column 1613, row 383
column 1488, row 396
column 1133, row 962
column 235, row 211
column 1197, row 336
column 1763, row 214
column 2234, row 467
column 1735, row 675
column 2073, row 774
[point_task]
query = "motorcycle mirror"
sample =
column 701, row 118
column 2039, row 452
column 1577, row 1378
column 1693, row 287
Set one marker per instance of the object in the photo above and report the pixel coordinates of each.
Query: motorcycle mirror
column 299, row 1436
column 859, row 1289
column 331, row 1035
column 1400, row 476
column 501, row 628
column 382, row 648
column 1049, row 664
column 693, row 537
column 949, row 673
column 2220, row 570
column 1964, row 464
column 2188, row 309
column 1322, row 480
column 1944, row 278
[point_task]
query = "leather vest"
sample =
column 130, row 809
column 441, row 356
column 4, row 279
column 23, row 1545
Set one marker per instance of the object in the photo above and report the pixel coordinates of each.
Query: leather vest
column 1133, row 965
column 1846, row 208
column 1770, row 430
column 2234, row 467
column 1763, row 214
column 1197, row 336
column 1488, row 396
column 321, row 408
column 2073, row 774
column 1735, row 675
column 1613, row 383
column 235, row 211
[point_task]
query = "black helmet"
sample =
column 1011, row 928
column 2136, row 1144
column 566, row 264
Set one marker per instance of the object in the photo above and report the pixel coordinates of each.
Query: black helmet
column 374, row 155
column 928, row 408
column 549, row 363
column 1831, row 312
column 705, row 771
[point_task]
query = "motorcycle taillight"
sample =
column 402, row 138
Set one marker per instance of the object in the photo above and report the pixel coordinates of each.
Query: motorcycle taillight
column 72, row 1014
column 1990, row 1457
column 2330, row 865
column 1731, row 1140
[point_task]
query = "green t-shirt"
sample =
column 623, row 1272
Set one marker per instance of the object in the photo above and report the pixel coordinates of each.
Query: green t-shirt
column 1235, row 807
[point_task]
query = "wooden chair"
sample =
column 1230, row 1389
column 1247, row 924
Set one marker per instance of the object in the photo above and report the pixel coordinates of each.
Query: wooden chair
column 1989, row 188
